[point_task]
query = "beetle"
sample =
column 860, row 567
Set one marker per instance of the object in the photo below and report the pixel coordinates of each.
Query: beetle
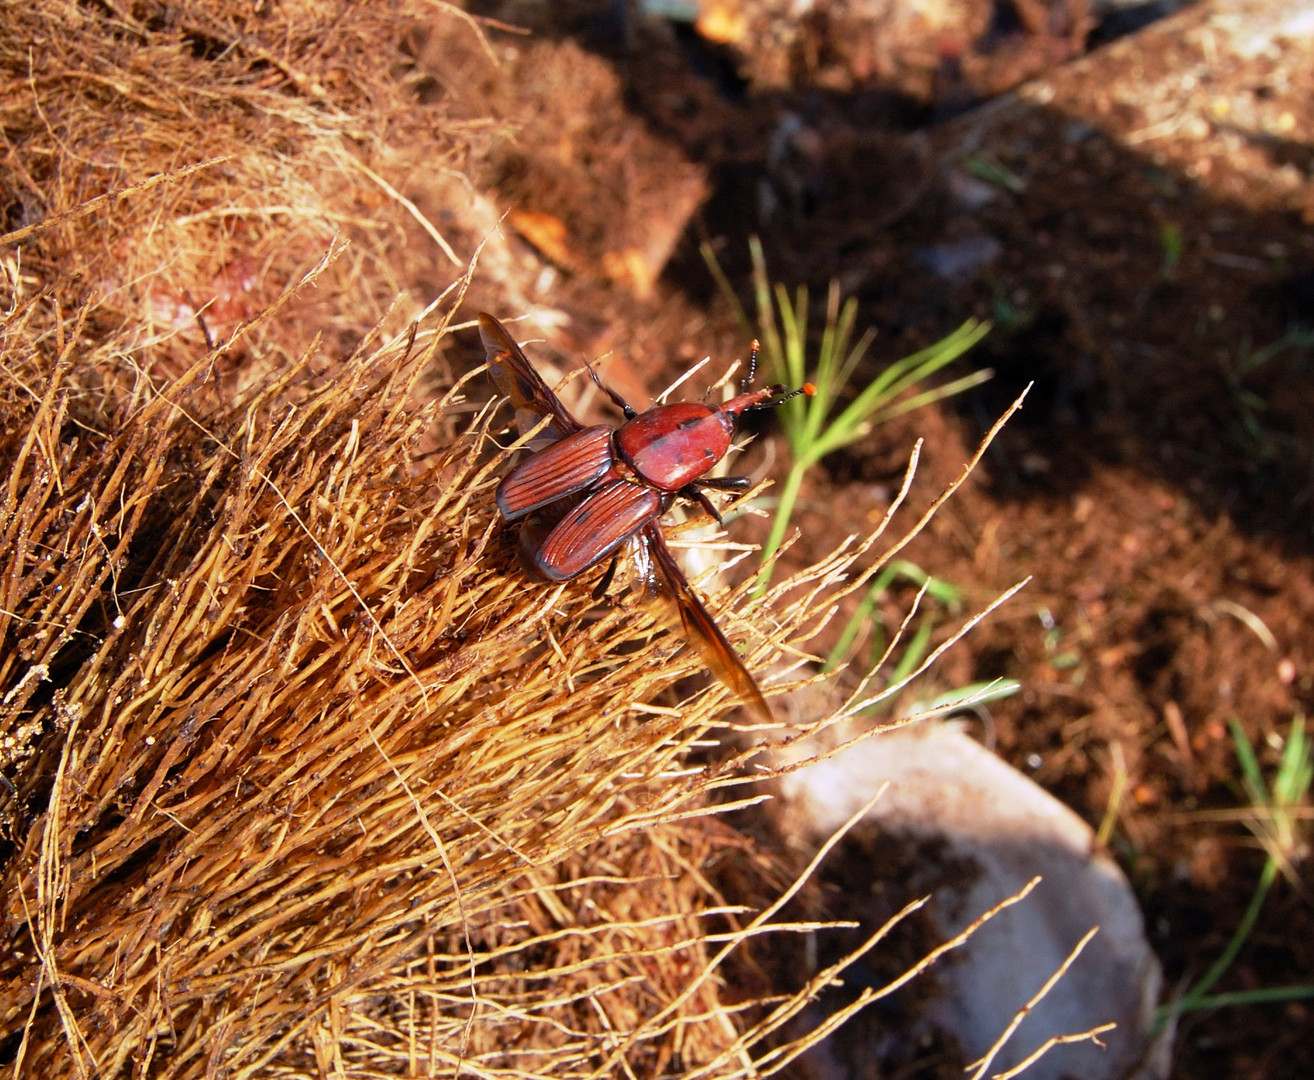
column 609, row 486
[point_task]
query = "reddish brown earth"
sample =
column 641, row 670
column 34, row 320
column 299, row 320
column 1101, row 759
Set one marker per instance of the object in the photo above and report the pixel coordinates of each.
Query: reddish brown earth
column 1138, row 223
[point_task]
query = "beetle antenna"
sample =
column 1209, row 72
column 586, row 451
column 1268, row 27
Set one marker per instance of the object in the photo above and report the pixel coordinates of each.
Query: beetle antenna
column 753, row 350
column 616, row 399
column 781, row 395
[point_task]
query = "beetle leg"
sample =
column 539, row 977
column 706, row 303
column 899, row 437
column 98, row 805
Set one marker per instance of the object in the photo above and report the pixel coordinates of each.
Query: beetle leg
column 604, row 582
column 692, row 492
column 616, row 399
column 725, row 483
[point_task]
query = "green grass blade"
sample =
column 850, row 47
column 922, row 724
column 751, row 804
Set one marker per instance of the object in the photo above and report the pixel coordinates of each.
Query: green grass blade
column 1252, row 777
column 969, row 696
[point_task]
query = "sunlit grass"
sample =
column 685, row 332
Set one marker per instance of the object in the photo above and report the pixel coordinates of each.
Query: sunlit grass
column 834, row 417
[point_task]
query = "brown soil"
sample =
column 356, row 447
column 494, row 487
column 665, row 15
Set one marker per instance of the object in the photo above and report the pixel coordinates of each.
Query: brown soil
column 1142, row 234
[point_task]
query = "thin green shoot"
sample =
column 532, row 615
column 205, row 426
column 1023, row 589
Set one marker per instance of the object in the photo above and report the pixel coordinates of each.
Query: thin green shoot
column 1173, row 243
column 1060, row 661
column 1275, row 817
column 1297, row 339
column 992, row 172
column 966, row 697
column 1005, row 312
column 919, row 645
column 947, row 596
column 1248, row 426
column 1277, row 814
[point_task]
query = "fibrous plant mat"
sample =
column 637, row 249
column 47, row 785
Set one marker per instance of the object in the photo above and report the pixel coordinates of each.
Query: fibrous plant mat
column 282, row 788
column 180, row 165
column 299, row 775
column 267, row 741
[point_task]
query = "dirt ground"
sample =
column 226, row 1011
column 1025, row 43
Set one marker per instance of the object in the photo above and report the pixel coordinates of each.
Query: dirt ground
column 1137, row 221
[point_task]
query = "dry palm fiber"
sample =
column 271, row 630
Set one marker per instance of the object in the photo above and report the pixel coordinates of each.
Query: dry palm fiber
column 239, row 834
column 274, row 743
column 282, row 790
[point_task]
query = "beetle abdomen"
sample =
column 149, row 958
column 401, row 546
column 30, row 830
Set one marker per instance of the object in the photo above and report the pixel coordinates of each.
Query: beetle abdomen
column 673, row 445
column 568, row 466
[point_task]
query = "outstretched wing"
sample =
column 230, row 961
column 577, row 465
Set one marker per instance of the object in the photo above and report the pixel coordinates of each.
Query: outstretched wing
column 701, row 629
column 516, row 378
